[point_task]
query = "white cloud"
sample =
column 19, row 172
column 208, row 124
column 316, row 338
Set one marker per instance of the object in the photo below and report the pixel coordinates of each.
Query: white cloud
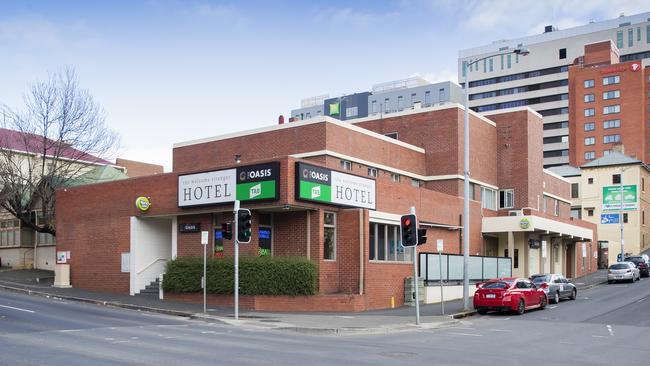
column 223, row 13
column 347, row 17
column 33, row 32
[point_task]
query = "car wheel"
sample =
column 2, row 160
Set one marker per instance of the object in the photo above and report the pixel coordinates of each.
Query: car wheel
column 543, row 302
column 574, row 294
column 521, row 307
column 556, row 297
column 482, row 311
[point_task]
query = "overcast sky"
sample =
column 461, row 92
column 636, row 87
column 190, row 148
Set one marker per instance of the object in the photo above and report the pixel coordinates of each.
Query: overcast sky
column 168, row 71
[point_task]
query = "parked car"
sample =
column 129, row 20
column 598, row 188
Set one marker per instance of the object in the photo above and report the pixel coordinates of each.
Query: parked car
column 623, row 271
column 640, row 263
column 557, row 287
column 509, row 294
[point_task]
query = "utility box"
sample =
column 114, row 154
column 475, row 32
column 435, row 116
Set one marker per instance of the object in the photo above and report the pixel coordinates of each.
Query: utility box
column 409, row 291
column 62, row 275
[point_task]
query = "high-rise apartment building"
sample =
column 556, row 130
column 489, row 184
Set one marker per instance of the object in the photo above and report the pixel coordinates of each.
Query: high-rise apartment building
column 541, row 80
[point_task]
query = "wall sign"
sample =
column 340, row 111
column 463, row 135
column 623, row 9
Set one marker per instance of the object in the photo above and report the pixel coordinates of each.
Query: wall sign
column 143, row 203
column 612, row 198
column 314, row 183
column 189, row 228
column 609, row 218
column 524, row 223
column 246, row 183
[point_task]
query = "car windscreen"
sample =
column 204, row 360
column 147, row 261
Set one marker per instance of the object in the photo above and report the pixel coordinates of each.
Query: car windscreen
column 619, row 266
column 501, row 285
column 634, row 259
column 541, row 279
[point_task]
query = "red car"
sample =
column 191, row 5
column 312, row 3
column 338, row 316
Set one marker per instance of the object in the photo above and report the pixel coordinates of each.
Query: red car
column 509, row 294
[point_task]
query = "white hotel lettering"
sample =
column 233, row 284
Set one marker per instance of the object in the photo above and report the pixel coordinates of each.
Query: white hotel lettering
column 354, row 195
column 207, row 192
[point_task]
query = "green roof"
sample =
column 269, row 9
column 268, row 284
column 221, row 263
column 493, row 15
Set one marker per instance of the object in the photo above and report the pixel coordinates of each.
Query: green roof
column 98, row 174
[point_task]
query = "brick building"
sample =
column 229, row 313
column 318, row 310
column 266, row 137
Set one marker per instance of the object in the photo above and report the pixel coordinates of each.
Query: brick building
column 608, row 105
column 333, row 192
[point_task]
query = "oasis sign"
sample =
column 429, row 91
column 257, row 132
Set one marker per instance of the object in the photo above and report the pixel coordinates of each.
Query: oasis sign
column 324, row 185
column 246, row 183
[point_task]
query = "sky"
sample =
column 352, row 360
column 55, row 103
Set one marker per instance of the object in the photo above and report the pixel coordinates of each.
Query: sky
column 167, row 71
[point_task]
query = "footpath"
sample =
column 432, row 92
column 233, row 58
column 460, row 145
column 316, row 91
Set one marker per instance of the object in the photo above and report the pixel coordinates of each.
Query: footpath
column 39, row 283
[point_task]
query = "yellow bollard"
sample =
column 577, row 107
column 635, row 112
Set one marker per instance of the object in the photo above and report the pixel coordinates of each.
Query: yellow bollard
column 392, row 302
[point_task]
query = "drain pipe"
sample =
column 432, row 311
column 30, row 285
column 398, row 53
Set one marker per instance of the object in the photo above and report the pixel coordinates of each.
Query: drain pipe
column 361, row 251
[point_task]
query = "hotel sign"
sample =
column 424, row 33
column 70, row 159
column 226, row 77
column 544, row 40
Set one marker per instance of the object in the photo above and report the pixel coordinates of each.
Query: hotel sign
column 246, row 183
column 314, row 183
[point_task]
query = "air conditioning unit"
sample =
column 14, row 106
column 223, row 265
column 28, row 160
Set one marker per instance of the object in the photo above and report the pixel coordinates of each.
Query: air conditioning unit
column 515, row 213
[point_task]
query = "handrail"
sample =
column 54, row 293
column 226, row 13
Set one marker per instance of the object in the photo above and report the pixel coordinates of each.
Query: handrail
column 152, row 263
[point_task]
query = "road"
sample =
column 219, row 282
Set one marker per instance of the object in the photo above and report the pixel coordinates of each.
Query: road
column 602, row 326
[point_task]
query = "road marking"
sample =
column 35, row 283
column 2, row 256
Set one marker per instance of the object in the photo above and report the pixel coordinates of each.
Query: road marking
column 610, row 330
column 499, row 330
column 468, row 334
column 69, row 330
column 466, row 328
column 566, row 343
column 598, row 336
column 552, row 307
column 638, row 301
column 109, row 339
column 19, row 309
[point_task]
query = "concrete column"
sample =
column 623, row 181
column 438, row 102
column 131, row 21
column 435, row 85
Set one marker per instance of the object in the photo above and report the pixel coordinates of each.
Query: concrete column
column 511, row 249
column 526, row 255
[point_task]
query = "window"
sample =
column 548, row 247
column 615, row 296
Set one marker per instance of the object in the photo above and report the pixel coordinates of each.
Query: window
column 590, row 212
column 590, row 141
column 642, row 184
column 630, row 37
column 555, row 153
column 485, row 65
column 609, row 80
column 613, row 123
column 555, row 139
column 606, row 152
column 265, row 232
column 589, row 112
column 400, row 103
column 509, row 61
column 647, row 34
column 590, row 126
column 488, row 198
column 414, row 98
column 609, row 109
column 590, row 155
column 491, row 64
column 590, row 180
column 557, row 207
column 589, row 83
column 374, row 107
column 608, row 139
column 619, row 39
column 625, row 218
column 10, row 232
column 329, row 232
column 562, row 53
column 351, row 111
column 638, row 34
column 589, row 98
column 394, row 177
column 515, row 259
column 642, row 217
column 427, row 97
column 346, row 165
column 415, row 183
column 616, row 179
column 575, row 190
column 386, row 105
column 501, row 62
column 543, row 203
column 472, row 191
column 385, row 244
column 441, row 95
column 41, row 238
column 392, row 135
column 576, row 213
column 612, row 94
column 464, row 68
column 372, row 172
column 507, row 198
column 556, row 125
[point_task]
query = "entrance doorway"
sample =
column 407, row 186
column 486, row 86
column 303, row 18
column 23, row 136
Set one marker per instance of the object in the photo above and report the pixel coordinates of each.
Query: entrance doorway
column 569, row 260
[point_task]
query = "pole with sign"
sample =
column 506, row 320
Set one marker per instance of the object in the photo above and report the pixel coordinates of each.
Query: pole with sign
column 204, row 282
column 439, row 245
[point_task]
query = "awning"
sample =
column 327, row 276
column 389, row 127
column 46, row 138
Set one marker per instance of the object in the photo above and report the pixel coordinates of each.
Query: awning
column 535, row 224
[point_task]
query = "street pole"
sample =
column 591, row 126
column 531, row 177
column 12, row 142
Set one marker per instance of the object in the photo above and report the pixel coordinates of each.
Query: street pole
column 205, row 278
column 235, row 232
column 415, row 276
column 621, row 218
column 442, row 299
column 466, row 193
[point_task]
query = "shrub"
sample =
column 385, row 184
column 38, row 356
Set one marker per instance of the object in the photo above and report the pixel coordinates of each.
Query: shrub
column 257, row 275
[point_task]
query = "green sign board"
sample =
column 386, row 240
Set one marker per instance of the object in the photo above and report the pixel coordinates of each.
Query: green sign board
column 245, row 183
column 612, row 198
column 335, row 109
column 324, row 185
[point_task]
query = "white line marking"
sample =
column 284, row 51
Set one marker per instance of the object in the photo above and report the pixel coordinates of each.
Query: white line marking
column 468, row 334
column 19, row 309
column 552, row 307
column 610, row 330
column 499, row 330
column 598, row 336
column 638, row 301
column 466, row 328
column 70, row 330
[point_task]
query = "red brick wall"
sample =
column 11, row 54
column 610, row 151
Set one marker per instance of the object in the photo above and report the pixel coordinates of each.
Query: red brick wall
column 138, row 168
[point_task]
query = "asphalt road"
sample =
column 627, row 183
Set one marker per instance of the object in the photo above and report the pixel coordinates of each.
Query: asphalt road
column 603, row 326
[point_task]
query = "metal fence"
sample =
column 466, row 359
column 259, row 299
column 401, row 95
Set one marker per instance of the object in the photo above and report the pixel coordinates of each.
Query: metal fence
column 481, row 268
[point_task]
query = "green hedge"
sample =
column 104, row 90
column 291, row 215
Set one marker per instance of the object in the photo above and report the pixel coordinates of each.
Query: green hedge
column 257, row 276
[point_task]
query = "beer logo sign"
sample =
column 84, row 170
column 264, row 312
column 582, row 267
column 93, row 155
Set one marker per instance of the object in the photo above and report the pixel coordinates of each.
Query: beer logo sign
column 255, row 191
column 635, row 66
column 143, row 203
column 315, row 192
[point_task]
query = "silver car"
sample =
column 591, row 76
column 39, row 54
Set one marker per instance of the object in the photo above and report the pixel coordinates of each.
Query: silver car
column 623, row 271
column 558, row 287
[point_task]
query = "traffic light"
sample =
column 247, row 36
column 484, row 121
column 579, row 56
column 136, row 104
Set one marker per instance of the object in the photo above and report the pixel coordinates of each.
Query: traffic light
column 409, row 230
column 422, row 236
column 226, row 230
column 243, row 225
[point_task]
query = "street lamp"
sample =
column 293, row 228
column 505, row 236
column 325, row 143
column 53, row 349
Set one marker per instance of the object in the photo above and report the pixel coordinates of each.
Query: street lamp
column 518, row 51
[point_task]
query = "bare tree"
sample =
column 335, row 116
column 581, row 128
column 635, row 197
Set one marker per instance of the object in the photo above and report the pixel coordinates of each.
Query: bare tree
column 59, row 135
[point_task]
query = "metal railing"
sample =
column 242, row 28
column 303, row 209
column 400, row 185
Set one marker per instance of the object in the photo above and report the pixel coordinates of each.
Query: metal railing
column 481, row 268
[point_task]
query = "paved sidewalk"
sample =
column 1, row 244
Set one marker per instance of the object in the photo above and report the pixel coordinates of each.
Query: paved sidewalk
column 593, row 279
column 371, row 322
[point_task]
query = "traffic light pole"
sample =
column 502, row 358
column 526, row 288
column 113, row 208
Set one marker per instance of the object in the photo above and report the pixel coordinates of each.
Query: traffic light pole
column 236, row 242
column 415, row 275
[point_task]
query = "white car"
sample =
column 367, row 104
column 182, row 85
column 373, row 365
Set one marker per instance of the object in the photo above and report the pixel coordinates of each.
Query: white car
column 623, row 271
